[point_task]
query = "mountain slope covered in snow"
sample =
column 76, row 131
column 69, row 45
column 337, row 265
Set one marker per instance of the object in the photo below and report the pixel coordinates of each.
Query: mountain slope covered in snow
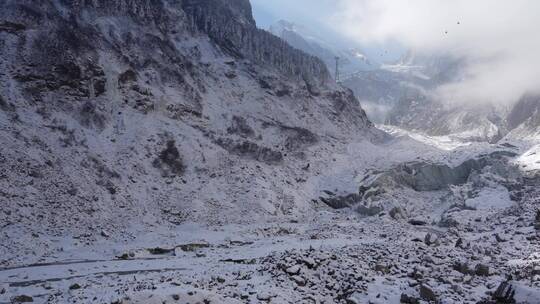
column 119, row 115
column 404, row 95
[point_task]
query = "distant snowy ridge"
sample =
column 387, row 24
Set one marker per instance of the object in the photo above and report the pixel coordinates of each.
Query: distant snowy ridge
column 351, row 59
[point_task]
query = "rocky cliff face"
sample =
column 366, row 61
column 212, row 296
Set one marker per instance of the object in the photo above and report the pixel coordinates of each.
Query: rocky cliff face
column 524, row 118
column 238, row 36
column 120, row 115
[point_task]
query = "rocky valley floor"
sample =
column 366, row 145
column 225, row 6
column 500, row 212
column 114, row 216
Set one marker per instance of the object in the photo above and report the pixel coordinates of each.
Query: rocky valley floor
column 438, row 246
column 332, row 258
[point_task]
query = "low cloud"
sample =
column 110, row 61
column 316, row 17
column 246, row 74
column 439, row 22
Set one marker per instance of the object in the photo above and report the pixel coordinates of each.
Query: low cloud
column 497, row 40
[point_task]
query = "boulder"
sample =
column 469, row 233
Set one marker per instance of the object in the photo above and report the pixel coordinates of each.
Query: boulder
column 417, row 222
column 266, row 297
column 74, row 286
column 22, row 299
column 499, row 238
column 482, row 270
column 293, row 270
column 505, row 294
column 430, row 239
column 427, row 294
column 405, row 299
column 300, row 281
column 462, row 268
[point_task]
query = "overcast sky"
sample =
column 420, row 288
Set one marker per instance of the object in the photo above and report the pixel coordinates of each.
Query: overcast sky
column 307, row 12
column 319, row 16
column 498, row 40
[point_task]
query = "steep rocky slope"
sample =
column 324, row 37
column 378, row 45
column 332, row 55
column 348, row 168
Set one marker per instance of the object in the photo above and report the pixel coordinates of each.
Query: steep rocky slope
column 524, row 119
column 116, row 116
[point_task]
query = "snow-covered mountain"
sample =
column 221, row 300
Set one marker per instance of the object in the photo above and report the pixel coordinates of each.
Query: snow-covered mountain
column 351, row 60
column 398, row 93
column 164, row 151
column 524, row 118
column 134, row 113
column 381, row 90
column 401, row 95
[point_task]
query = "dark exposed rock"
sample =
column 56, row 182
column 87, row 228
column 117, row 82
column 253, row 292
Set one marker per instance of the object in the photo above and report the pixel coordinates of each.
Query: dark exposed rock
column 396, row 213
column 22, row 299
column 300, row 281
column 160, row 251
column 251, row 150
column 230, row 74
column 382, row 268
column 127, row 76
column 427, row 294
column 505, row 294
column 462, row 268
column 430, row 239
column 448, row 222
column 10, row 27
column 405, row 299
column 264, row 297
column 298, row 138
column 499, row 238
column 105, row 234
column 5, row 106
column 74, row 286
column 524, row 109
column 72, row 191
column 192, row 246
column 240, row 261
column 285, row 91
column 240, row 126
column 125, row 256
column 264, row 84
column 482, row 270
column 341, row 202
column 537, row 220
column 343, row 104
column 90, row 116
column 293, row 270
column 416, row 222
column 170, row 161
column 101, row 168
